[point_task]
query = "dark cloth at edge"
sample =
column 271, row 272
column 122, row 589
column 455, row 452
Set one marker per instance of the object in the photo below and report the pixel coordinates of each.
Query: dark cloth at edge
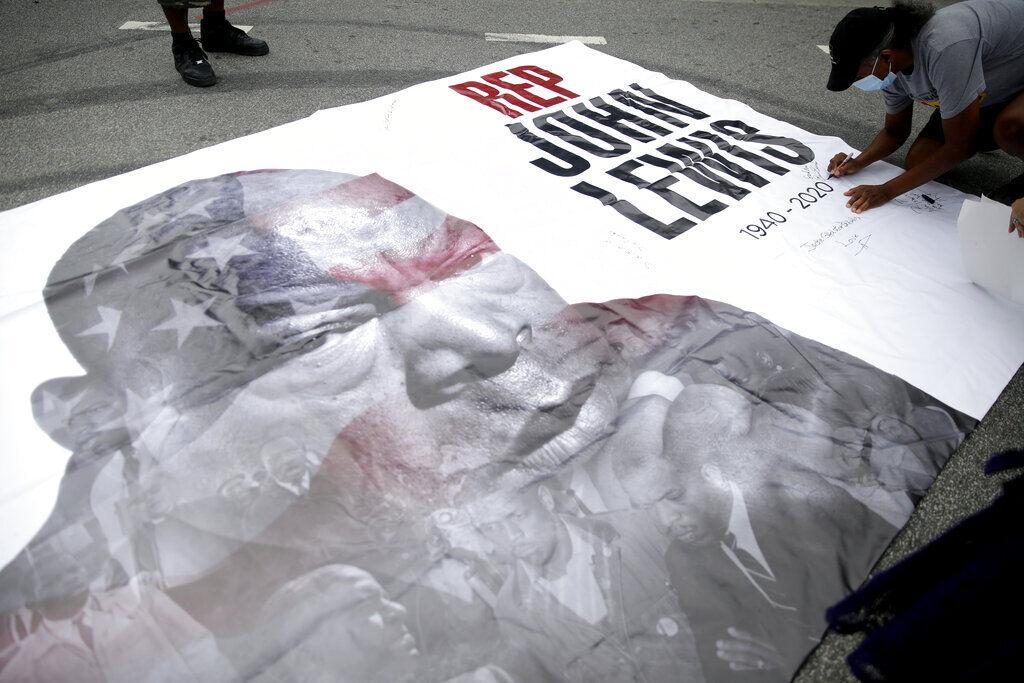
column 947, row 612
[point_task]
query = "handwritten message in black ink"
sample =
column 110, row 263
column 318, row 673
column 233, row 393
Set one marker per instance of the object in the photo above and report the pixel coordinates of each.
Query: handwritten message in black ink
column 824, row 236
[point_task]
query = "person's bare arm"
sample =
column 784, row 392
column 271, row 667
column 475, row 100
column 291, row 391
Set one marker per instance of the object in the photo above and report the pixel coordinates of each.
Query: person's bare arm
column 894, row 133
column 960, row 132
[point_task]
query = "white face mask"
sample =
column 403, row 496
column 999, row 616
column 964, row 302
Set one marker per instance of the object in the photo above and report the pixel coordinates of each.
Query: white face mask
column 872, row 83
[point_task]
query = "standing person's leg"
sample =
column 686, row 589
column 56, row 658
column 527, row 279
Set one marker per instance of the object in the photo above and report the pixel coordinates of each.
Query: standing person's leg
column 220, row 36
column 189, row 59
column 214, row 11
column 177, row 19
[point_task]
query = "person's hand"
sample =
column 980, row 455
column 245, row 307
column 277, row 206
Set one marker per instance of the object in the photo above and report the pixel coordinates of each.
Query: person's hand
column 843, row 164
column 1017, row 217
column 744, row 652
column 864, row 197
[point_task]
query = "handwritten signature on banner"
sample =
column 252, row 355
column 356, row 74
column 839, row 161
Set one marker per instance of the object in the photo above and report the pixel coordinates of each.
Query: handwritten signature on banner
column 860, row 242
column 920, row 203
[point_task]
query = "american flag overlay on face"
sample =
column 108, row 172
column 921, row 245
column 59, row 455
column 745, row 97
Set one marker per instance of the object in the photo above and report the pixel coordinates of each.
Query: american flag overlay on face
column 326, row 431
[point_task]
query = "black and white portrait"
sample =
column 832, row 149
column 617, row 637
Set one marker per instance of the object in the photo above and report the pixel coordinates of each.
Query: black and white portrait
column 326, row 431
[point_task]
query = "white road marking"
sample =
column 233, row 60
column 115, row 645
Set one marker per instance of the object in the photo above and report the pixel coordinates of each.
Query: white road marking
column 824, row 48
column 161, row 26
column 536, row 38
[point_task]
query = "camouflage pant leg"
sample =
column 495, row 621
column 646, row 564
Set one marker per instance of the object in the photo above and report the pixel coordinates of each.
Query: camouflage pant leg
column 183, row 4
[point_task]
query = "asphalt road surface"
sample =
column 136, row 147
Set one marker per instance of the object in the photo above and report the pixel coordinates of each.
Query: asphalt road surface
column 83, row 100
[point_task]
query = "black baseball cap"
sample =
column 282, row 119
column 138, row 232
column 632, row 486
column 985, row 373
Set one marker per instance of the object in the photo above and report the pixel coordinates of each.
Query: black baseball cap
column 856, row 37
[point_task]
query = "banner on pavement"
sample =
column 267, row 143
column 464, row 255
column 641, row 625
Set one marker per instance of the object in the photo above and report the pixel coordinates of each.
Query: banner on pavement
column 651, row 403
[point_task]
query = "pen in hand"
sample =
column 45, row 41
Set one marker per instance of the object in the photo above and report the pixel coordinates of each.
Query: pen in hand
column 845, row 161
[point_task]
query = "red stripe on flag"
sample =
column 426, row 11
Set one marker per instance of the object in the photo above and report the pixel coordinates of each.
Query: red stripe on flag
column 359, row 200
column 369, row 195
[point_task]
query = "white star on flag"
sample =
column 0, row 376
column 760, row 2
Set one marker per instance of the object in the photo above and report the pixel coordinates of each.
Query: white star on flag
column 150, row 419
column 203, row 206
column 90, row 279
column 137, row 410
column 52, row 404
column 133, row 251
column 110, row 319
column 222, row 250
column 187, row 318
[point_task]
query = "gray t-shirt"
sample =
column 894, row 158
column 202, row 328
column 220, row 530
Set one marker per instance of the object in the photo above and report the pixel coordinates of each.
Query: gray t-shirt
column 968, row 49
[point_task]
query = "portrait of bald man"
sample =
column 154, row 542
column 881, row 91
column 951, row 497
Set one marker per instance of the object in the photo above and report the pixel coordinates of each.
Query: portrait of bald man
column 291, row 370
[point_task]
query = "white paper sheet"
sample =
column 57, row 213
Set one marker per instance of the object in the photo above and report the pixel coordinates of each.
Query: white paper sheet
column 993, row 257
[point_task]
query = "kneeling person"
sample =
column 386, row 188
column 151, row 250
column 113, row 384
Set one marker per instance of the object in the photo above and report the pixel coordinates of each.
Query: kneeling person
column 965, row 61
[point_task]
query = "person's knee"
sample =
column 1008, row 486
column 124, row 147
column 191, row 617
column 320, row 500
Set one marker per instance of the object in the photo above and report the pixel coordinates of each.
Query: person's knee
column 1009, row 133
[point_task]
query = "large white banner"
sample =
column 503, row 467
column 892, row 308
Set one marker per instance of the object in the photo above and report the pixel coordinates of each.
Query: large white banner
column 610, row 182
